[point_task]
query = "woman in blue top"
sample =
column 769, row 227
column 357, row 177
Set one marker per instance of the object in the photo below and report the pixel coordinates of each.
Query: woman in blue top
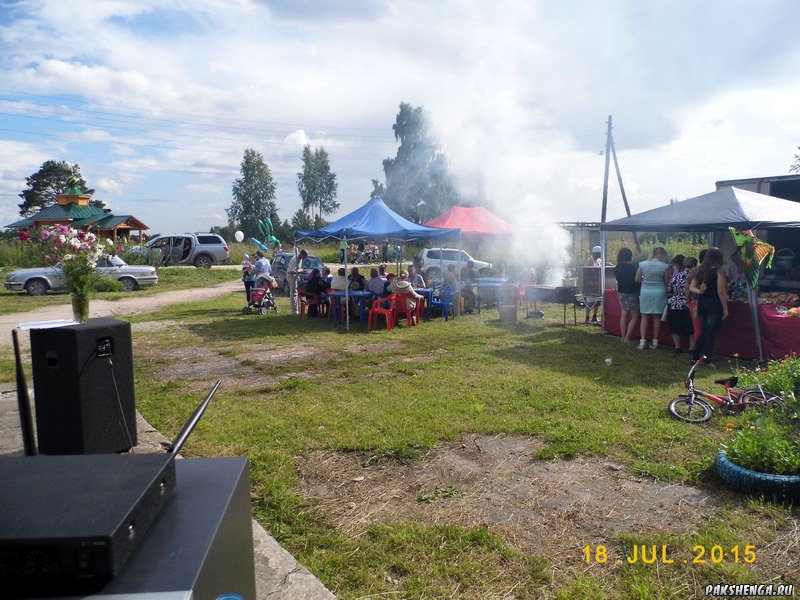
column 652, row 274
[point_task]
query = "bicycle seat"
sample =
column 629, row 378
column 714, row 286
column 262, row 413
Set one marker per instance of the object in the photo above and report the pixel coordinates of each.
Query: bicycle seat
column 731, row 381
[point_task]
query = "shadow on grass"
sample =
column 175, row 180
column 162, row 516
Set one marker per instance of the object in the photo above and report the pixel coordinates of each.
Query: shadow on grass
column 238, row 327
column 579, row 352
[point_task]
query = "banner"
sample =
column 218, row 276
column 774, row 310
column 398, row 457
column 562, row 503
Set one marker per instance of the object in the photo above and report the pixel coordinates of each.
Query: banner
column 751, row 252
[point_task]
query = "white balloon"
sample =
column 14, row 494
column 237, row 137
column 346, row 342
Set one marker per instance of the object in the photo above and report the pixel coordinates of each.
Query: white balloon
column 239, row 236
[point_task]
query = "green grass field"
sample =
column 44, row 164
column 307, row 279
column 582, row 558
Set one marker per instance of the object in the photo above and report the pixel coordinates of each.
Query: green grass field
column 390, row 401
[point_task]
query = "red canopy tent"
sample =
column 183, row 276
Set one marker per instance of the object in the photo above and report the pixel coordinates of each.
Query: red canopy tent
column 472, row 221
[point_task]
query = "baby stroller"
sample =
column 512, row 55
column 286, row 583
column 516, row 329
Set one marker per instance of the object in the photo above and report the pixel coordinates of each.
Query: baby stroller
column 367, row 257
column 261, row 299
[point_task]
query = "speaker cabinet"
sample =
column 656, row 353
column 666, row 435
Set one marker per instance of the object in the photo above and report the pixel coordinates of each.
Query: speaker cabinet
column 84, row 405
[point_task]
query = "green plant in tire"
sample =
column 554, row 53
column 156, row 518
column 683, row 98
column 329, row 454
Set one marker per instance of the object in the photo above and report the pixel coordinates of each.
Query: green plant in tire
column 768, row 445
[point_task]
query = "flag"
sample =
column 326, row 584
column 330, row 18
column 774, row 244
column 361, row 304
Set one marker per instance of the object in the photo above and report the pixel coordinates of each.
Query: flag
column 752, row 252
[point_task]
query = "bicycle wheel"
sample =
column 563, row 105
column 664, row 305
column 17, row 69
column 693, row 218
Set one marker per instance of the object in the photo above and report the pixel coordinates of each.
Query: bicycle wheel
column 691, row 411
column 761, row 400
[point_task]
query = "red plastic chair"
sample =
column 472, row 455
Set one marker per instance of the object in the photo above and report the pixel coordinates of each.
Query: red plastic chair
column 378, row 309
column 305, row 300
column 401, row 307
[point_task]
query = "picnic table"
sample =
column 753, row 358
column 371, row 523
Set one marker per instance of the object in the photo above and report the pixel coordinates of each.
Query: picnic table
column 427, row 294
column 490, row 284
column 363, row 297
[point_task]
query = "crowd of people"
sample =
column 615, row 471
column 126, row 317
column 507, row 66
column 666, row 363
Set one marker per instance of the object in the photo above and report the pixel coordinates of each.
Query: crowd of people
column 688, row 294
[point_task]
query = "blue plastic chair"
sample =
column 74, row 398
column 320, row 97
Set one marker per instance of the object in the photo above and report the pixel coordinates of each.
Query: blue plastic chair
column 445, row 300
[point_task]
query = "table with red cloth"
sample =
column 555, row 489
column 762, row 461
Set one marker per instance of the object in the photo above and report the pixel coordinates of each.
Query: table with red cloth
column 780, row 334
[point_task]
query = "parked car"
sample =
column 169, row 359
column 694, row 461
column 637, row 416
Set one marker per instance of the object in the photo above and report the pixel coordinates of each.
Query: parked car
column 280, row 262
column 199, row 249
column 38, row 281
column 433, row 261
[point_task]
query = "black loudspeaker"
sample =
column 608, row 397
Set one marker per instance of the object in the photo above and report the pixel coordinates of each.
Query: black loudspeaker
column 83, row 387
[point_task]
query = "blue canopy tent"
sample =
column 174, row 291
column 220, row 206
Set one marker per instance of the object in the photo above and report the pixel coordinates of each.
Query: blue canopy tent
column 375, row 220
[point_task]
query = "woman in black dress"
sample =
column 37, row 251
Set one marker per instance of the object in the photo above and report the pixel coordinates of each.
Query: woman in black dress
column 627, row 292
column 710, row 285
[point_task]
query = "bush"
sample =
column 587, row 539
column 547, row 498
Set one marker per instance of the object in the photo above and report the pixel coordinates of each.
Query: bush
column 769, row 445
column 104, row 284
column 18, row 254
column 781, row 377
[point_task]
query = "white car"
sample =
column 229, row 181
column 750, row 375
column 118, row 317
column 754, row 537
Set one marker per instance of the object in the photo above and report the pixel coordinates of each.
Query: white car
column 41, row 279
column 433, row 261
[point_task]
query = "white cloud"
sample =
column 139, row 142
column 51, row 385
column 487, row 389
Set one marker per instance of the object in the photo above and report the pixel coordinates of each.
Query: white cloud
column 208, row 188
column 518, row 92
column 109, row 186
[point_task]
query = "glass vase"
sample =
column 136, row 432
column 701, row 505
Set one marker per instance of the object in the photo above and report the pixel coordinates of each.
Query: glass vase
column 80, row 307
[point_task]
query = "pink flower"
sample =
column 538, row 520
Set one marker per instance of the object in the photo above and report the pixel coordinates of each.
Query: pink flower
column 24, row 235
column 45, row 234
column 81, row 235
column 62, row 229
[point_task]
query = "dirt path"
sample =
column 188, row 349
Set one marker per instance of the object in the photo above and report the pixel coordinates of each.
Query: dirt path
column 108, row 308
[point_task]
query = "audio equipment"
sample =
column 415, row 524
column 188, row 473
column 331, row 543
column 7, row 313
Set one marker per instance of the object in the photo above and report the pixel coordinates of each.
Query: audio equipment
column 81, row 516
column 83, row 387
column 200, row 547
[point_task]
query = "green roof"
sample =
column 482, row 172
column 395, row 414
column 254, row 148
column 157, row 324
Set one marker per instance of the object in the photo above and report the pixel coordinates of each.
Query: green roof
column 21, row 223
column 59, row 212
column 111, row 221
column 87, row 221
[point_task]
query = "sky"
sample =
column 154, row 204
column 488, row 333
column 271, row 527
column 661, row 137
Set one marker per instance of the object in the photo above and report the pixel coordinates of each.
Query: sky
column 157, row 100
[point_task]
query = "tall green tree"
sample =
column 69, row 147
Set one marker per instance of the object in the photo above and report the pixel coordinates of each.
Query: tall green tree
column 378, row 190
column 301, row 221
column 47, row 183
column 418, row 185
column 253, row 195
column 317, row 184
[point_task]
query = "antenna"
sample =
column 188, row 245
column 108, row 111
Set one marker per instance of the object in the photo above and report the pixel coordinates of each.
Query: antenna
column 190, row 424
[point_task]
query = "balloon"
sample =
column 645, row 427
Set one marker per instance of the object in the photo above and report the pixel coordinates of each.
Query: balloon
column 273, row 239
column 239, row 236
column 259, row 244
column 263, row 228
column 269, row 222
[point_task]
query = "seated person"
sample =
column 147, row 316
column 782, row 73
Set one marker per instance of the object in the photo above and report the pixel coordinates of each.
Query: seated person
column 316, row 285
column 400, row 284
column 376, row 283
column 382, row 270
column 340, row 281
column 326, row 275
column 389, row 279
column 356, row 281
column 450, row 276
column 415, row 278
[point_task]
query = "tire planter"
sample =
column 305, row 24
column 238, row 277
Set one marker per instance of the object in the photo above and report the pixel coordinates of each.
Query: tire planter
column 780, row 487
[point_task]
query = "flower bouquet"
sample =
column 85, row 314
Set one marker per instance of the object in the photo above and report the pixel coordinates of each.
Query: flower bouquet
column 77, row 252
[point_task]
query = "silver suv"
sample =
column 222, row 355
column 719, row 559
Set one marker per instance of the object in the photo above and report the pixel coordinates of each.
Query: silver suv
column 199, row 249
column 433, row 261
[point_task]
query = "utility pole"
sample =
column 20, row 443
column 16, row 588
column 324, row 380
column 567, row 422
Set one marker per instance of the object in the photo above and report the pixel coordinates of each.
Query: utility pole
column 605, row 176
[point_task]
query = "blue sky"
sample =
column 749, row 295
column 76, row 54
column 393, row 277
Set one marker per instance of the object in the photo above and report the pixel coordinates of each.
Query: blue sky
column 157, row 100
